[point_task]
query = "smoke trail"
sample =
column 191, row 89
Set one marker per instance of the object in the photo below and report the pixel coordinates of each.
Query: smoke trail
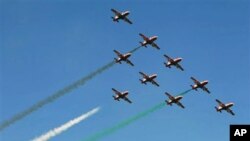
column 57, row 95
column 66, row 126
column 135, row 49
column 125, row 122
column 185, row 92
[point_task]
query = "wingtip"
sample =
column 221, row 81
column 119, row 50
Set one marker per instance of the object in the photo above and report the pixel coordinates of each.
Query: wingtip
column 167, row 94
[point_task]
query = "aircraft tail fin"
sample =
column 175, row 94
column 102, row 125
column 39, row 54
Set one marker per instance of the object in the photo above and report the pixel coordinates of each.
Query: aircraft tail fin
column 142, row 44
column 168, row 103
column 115, row 98
column 142, row 81
column 217, row 109
column 167, row 65
column 117, row 61
column 115, row 20
column 193, row 87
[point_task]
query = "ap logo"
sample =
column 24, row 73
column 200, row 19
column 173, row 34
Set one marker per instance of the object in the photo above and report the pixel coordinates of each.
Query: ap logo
column 239, row 132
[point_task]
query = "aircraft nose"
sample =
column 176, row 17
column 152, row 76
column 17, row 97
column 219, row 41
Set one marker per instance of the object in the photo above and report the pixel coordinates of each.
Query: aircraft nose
column 180, row 97
column 179, row 59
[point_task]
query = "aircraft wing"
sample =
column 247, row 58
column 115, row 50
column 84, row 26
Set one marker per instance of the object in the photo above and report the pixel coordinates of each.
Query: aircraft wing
column 218, row 101
column 127, row 20
column 126, row 99
column 170, row 96
column 155, row 83
column 129, row 62
column 116, row 92
column 195, row 81
column 143, row 74
column 206, row 89
column 118, row 53
column 116, row 12
column 180, row 104
column 169, row 58
column 230, row 111
column 155, row 45
column 179, row 66
column 144, row 37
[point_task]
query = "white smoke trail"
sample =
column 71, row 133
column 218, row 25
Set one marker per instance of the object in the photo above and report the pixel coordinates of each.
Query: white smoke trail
column 66, row 126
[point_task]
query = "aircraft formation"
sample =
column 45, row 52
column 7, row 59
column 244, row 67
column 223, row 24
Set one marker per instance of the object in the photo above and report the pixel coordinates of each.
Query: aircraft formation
column 151, row 78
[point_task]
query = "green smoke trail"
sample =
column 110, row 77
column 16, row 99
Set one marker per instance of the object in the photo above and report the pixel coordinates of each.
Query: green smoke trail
column 126, row 122
column 57, row 95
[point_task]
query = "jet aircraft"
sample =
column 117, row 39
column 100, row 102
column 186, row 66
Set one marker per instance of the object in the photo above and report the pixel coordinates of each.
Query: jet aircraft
column 175, row 100
column 149, row 41
column 123, row 57
column 173, row 62
column 200, row 85
column 121, row 95
column 225, row 107
column 148, row 78
column 120, row 15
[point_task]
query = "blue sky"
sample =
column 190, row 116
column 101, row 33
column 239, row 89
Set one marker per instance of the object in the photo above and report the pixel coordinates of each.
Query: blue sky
column 46, row 45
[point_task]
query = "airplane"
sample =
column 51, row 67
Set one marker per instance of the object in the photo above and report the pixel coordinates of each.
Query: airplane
column 123, row 57
column 199, row 84
column 175, row 100
column 174, row 62
column 225, row 107
column 149, row 40
column 148, row 78
column 121, row 95
column 121, row 15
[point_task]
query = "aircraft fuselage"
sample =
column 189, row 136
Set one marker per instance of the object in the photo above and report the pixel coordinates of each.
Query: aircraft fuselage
column 151, row 40
column 122, row 95
column 225, row 106
column 174, row 61
column 124, row 57
column 150, row 78
column 122, row 15
column 174, row 99
column 200, row 85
